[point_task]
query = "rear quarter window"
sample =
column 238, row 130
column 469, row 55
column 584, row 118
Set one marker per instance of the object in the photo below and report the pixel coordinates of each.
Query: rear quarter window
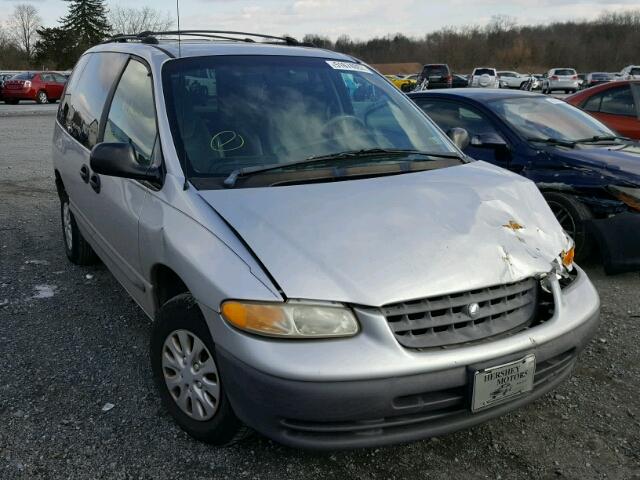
column 86, row 94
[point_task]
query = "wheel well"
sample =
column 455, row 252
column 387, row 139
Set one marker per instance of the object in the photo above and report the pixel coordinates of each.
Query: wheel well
column 62, row 192
column 166, row 284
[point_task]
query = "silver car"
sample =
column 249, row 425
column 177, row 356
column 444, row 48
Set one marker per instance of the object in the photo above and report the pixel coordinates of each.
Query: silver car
column 321, row 262
column 565, row 79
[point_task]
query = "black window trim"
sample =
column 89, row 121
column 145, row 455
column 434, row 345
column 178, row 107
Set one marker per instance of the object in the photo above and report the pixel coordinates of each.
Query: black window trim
column 107, row 108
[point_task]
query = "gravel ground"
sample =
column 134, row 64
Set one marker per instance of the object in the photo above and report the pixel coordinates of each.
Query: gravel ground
column 71, row 341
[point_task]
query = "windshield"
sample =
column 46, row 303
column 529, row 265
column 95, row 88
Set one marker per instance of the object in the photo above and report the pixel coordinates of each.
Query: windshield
column 544, row 117
column 232, row 112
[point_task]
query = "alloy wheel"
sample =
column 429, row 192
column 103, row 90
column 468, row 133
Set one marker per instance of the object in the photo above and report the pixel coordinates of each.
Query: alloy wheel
column 42, row 96
column 191, row 375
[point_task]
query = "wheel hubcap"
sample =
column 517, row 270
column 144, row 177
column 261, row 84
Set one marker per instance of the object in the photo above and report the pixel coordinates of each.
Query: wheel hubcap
column 66, row 224
column 191, row 375
column 43, row 97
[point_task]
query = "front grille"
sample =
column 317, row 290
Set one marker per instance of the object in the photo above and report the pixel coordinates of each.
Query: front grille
column 444, row 320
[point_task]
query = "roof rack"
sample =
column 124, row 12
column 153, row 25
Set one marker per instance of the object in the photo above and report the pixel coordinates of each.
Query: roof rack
column 149, row 37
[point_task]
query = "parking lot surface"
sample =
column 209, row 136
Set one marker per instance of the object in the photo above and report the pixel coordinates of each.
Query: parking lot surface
column 77, row 399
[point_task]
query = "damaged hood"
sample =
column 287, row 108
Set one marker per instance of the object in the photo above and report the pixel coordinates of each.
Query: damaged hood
column 623, row 162
column 387, row 239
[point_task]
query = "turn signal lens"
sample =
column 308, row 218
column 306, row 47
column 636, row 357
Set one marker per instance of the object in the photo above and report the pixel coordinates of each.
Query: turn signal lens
column 293, row 320
column 568, row 256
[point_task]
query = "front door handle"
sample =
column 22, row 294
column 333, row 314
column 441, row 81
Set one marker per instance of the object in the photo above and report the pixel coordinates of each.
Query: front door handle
column 94, row 181
column 84, row 173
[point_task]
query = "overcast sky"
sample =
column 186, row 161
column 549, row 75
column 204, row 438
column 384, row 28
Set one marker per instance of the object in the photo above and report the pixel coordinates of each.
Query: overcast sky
column 359, row 19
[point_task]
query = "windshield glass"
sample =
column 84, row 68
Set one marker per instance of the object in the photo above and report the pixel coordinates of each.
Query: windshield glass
column 231, row 112
column 544, row 117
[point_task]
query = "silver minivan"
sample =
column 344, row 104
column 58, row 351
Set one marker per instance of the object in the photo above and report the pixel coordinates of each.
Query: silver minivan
column 321, row 262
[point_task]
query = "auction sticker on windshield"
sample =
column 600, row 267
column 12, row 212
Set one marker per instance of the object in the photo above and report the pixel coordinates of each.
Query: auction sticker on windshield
column 355, row 67
column 499, row 384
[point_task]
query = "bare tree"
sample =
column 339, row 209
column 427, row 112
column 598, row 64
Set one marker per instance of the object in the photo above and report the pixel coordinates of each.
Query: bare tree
column 22, row 24
column 130, row 20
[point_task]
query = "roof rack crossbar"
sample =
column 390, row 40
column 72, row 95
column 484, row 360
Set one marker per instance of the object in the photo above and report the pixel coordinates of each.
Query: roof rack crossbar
column 151, row 36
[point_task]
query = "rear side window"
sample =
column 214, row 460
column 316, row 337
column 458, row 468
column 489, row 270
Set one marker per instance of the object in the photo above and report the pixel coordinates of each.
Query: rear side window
column 448, row 115
column 618, row 101
column 24, row 76
column 86, row 95
column 132, row 116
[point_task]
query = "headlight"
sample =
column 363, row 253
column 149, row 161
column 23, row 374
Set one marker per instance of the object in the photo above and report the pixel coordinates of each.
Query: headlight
column 628, row 195
column 290, row 320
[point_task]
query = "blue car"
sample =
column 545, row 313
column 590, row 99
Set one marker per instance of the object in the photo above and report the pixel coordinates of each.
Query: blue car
column 589, row 175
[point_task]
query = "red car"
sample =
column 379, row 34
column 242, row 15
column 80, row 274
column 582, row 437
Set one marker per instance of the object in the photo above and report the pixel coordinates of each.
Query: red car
column 616, row 104
column 43, row 87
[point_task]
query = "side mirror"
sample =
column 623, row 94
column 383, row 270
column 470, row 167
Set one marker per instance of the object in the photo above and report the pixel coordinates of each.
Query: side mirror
column 488, row 140
column 459, row 136
column 119, row 160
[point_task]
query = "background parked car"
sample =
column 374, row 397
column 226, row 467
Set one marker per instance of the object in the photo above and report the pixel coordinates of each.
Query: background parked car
column 581, row 79
column 512, row 79
column 631, row 72
column 4, row 77
column 484, row 77
column 560, row 79
column 589, row 176
column 438, row 75
column 539, row 78
column 404, row 84
column 459, row 81
column 616, row 104
column 43, row 87
column 597, row 78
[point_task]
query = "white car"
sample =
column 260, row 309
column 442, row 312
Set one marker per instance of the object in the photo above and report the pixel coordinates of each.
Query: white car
column 561, row 79
column 631, row 72
column 512, row 79
column 484, row 77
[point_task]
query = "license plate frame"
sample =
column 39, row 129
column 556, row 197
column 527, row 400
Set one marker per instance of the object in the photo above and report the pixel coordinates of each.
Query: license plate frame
column 501, row 383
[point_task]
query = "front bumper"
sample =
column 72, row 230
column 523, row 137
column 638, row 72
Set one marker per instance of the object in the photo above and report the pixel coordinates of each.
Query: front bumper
column 315, row 400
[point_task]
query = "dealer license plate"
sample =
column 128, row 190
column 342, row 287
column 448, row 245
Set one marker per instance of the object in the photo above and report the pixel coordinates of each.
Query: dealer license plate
column 500, row 384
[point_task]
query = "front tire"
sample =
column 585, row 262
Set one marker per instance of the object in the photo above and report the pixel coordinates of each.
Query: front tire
column 76, row 247
column 573, row 216
column 185, row 371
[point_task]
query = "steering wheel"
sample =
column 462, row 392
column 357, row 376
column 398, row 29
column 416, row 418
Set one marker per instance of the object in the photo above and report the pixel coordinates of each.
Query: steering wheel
column 338, row 126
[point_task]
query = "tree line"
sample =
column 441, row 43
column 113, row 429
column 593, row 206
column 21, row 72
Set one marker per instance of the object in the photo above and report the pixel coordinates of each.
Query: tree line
column 607, row 43
column 25, row 43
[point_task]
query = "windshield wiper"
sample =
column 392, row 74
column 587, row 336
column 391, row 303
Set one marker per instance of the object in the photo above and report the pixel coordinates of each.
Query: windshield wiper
column 554, row 141
column 600, row 138
column 231, row 180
